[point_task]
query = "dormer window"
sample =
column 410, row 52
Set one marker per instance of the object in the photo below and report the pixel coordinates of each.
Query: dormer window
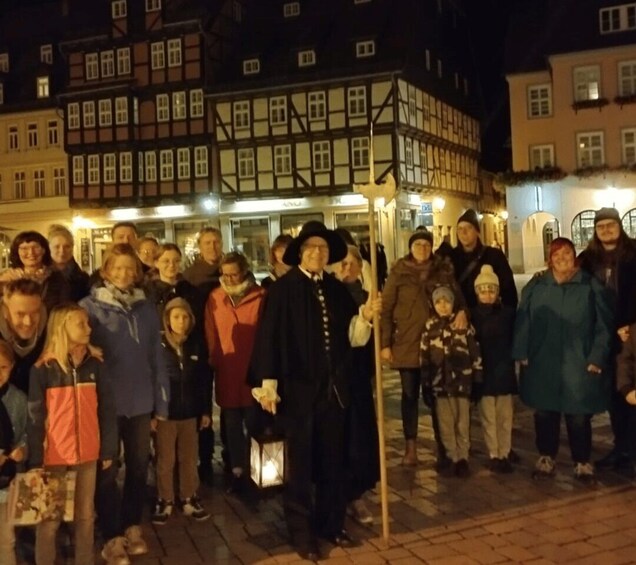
column 307, row 58
column 617, row 18
column 119, row 9
column 365, row 49
column 153, row 5
column 43, row 87
column 4, row 62
column 46, row 54
column 291, row 9
column 251, row 66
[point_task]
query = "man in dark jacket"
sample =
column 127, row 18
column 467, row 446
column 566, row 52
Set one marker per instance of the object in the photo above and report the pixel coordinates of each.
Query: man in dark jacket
column 469, row 256
column 303, row 352
column 611, row 257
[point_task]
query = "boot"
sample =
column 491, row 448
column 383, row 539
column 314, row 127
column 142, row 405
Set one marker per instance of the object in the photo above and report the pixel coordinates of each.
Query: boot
column 410, row 455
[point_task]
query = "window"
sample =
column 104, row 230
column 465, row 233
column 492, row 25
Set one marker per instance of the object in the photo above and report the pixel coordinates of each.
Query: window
column 539, row 101
column 357, row 97
column 183, row 163
column 163, row 108
column 360, row 152
column 166, row 164
column 14, row 139
column 541, row 156
column 201, row 161
column 617, row 18
column 408, row 152
column 365, row 49
column 59, row 181
column 121, row 110
column 107, row 59
column 591, row 152
column 19, row 185
column 251, row 66
column 52, row 133
column 125, row 167
column 412, row 103
column 4, row 62
column 307, row 58
column 39, row 184
column 282, row 159
column 118, row 9
column 627, row 78
column 140, row 165
column 78, row 170
column 583, row 228
column 157, row 55
column 245, row 163
column 317, row 106
column 1, row 93
column 278, row 110
column 628, row 137
column 587, row 83
column 321, row 156
column 291, row 9
column 179, row 108
column 196, row 103
column 32, row 135
column 237, row 11
column 151, row 166
column 88, row 109
column 46, row 54
column 91, row 66
column 73, row 116
column 42, row 86
column 174, row 52
column 105, row 113
column 439, row 68
column 110, row 168
column 123, row 61
column 93, row 169
column 427, row 59
column 153, row 5
column 241, row 115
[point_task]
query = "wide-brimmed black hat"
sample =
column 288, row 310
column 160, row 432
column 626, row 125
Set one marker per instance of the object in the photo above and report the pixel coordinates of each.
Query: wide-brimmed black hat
column 337, row 247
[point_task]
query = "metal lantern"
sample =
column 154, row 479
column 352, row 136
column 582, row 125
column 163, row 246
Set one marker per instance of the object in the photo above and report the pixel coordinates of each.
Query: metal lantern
column 267, row 461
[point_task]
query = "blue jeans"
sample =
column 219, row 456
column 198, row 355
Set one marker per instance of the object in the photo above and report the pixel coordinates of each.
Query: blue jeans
column 547, row 427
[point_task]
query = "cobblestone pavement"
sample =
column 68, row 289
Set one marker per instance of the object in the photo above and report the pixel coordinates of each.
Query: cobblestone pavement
column 483, row 519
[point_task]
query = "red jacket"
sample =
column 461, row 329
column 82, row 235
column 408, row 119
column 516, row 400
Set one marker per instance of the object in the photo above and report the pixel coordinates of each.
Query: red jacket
column 230, row 332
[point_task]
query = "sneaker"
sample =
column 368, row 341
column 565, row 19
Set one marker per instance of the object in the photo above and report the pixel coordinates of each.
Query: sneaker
column 461, row 469
column 114, row 551
column 544, row 467
column 584, row 472
column 136, row 545
column 192, row 507
column 163, row 510
column 359, row 512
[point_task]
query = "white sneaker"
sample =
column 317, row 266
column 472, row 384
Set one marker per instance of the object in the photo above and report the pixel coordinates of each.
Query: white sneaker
column 584, row 472
column 359, row 512
column 136, row 545
column 545, row 466
column 114, row 552
column 192, row 507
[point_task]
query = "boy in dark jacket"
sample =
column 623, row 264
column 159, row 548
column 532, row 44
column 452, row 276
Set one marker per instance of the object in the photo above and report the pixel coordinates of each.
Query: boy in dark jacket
column 451, row 364
column 190, row 399
column 494, row 325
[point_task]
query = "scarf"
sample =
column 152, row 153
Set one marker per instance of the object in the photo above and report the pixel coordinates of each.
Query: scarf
column 126, row 298
column 237, row 292
column 21, row 347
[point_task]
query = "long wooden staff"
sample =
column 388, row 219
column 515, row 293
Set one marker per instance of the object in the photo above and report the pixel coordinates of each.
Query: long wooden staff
column 371, row 191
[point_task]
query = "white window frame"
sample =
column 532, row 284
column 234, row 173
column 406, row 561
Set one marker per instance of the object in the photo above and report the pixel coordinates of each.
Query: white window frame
column 153, row 5
column 251, row 66
column 91, row 66
column 121, row 110
column 4, row 62
column 321, row 156
column 78, row 169
column 183, row 163
column 32, row 135
column 59, row 181
column 590, row 153
column 317, row 106
column 162, row 102
column 619, row 18
column 628, row 146
column 93, row 169
column 291, row 9
column 151, row 166
column 39, row 183
column 42, row 87
column 412, row 97
column 245, row 162
column 197, row 103
column 627, row 78
column 110, row 168
column 539, row 100
column 201, row 161
column 306, row 58
column 19, row 185
column 278, row 110
column 123, row 61
column 157, row 55
column 365, row 48
column 360, row 152
column 241, row 118
column 408, row 152
column 118, row 9
column 179, row 105
column 88, row 113
column 53, row 133
column 107, row 63
column 586, row 82
column 73, row 118
column 166, row 164
column 105, row 111
column 357, row 101
column 174, row 52
column 46, row 54
column 282, row 160
column 125, row 167
column 541, row 156
column 13, row 138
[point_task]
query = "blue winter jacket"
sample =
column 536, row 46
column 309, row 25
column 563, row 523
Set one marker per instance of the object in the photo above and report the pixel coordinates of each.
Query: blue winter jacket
column 130, row 338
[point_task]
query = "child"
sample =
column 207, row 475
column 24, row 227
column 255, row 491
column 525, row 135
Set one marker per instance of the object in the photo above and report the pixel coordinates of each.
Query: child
column 191, row 398
column 626, row 385
column 13, row 420
column 494, row 326
column 451, row 364
column 71, row 423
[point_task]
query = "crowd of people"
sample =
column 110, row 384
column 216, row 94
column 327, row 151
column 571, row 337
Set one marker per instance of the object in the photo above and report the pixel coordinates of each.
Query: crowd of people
column 109, row 373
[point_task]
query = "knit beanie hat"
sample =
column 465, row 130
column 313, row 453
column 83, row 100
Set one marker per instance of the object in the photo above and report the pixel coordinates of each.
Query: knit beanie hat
column 471, row 217
column 443, row 292
column 421, row 234
column 606, row 214
column 487, row 278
